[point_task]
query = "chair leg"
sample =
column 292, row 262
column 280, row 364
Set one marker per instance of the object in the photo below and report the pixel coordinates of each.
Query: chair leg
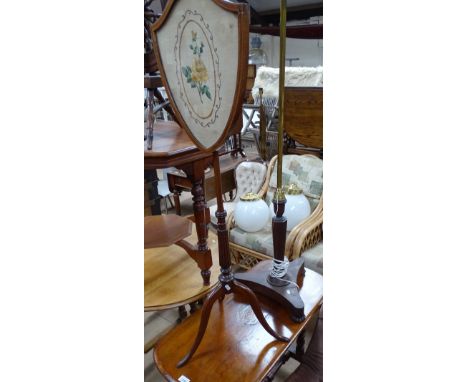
column 170, row 201
column 165, row 203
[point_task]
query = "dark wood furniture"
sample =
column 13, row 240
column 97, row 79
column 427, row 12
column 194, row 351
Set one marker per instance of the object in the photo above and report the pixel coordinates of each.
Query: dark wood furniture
column 303, row 119
column 178, row 181
column 235, row 346
column 314, row 31
column 173, row 148
column 251, row 73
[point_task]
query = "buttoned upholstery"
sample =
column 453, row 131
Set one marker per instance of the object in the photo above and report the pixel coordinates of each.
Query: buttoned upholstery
column 249, row 176
column 247, row 248
column 303, row 170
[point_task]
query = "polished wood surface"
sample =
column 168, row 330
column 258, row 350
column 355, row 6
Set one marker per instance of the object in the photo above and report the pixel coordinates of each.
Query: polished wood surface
column 165, row 230
column 172, row 147
column 169, row 141
column 303, row 115
column 173, row 279
column 235, row 347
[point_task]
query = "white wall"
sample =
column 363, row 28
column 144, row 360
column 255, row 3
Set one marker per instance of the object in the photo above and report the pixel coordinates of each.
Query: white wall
column 309, row 52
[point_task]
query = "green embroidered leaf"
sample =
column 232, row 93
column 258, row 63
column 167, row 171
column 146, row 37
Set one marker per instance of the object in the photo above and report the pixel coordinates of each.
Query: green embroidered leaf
column 202, row 89
column 184, row 71
column 189, row 70
column 201, row 49
column 191, row 46
column 207, row 92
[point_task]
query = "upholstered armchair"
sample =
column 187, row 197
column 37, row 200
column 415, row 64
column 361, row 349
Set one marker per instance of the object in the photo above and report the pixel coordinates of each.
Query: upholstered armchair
column 304, row 239
column 249, row 176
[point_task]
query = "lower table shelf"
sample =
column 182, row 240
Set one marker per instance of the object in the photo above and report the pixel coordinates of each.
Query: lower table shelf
column 172, row 278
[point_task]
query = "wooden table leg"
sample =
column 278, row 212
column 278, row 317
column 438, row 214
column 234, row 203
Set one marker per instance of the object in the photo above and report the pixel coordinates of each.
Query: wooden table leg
column 300, row 345
column 182, row 314
column 193, row 307
column 196, row 173
column 151, row 177
column 177, row 201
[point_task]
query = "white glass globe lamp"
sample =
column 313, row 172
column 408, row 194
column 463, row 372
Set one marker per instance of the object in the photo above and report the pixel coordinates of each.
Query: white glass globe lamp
column 251, row 213
column 297, row 206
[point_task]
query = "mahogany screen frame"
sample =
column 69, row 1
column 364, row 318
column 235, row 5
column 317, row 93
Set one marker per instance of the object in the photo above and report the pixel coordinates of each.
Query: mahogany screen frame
column 243, row 19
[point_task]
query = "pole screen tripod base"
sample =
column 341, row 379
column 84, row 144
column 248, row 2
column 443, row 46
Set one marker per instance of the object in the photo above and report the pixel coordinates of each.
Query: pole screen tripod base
column 280, row 290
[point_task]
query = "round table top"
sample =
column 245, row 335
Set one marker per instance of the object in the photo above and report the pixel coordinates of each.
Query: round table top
column 173, row 279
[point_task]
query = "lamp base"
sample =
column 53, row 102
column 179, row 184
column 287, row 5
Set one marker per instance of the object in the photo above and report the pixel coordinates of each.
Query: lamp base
column 280, row 290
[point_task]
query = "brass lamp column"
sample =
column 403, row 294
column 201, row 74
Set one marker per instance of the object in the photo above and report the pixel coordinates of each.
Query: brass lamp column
column 281, row 289
column 279, row 222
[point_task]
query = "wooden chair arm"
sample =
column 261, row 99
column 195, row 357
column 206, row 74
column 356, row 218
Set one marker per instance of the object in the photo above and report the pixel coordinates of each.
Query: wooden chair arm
column 306, row 234
column 230, row 223
column 307, row 239
column 264, row 188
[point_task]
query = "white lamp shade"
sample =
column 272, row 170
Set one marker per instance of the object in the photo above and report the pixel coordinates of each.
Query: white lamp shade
column 296, row 210
column 251, row 216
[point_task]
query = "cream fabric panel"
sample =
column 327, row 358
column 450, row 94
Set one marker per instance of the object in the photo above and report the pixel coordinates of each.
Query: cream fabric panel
column 199, row 51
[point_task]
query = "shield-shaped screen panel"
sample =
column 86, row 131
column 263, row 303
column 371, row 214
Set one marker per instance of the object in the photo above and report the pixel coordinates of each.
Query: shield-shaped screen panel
column 199, row 48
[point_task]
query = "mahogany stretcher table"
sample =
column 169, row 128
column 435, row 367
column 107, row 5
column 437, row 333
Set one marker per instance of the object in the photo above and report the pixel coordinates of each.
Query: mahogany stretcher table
column 178, row 181
column 235, row 346
column 172, row 147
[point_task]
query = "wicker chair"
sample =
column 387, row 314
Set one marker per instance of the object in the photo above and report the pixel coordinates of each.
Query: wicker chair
column 247, row 249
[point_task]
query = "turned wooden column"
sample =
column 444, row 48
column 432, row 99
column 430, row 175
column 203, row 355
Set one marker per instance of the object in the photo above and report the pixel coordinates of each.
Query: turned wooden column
column 151, row 178
column 195, row 171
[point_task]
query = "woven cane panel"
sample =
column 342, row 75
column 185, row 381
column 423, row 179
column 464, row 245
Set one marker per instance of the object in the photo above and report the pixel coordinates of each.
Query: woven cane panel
column 312, row 238
column 245, row 257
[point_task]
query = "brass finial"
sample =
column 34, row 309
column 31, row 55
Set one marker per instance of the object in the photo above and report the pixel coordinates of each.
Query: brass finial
column 279, row 194
column 293, row 189
column 250, row 197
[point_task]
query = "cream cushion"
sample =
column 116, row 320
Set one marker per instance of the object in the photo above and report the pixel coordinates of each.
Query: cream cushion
column 304, row 171
column 249, row 178
column 313, row 258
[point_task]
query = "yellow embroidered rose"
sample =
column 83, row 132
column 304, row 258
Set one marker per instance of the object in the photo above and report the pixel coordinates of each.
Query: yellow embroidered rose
column 199, row 72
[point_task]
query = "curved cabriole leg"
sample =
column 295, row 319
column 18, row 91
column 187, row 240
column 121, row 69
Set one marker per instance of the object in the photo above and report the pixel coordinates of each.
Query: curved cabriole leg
column 205, row 315
column 253, row 302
